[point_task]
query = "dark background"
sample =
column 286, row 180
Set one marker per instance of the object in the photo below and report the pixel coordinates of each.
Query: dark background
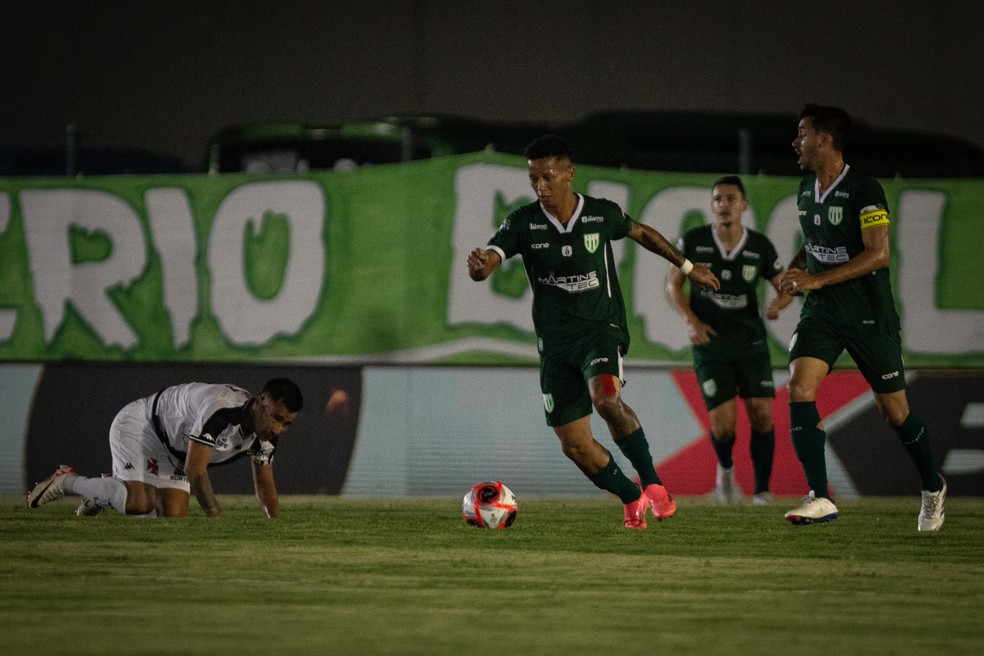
column 167, row 75
column 74, row 405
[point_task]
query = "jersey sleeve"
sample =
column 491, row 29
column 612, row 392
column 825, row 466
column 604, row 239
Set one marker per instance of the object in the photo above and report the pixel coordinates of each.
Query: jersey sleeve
column 261, row 453
column 214, row 421
column 771, row 266
column 620, row 224
column 506, row 240
column 873, row 208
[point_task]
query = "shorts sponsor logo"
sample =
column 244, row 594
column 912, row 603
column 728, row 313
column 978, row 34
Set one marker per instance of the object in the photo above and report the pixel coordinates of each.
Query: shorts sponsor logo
column 768, row 384
column 710, row 387
column 598, row 361
column 591, row 241
column 890, row 376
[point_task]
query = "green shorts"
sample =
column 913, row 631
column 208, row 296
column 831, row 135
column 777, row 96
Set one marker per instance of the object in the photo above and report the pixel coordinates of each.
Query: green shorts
column 749, row 377
column 877, row 354
column 564, row 379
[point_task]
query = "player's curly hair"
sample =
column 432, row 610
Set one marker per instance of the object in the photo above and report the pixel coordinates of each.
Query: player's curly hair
column 549, row 145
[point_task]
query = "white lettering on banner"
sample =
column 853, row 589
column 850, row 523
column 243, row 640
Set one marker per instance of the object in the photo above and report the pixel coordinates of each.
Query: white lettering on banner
column 172, row 227
column 48, row 216
column 8, row 318
column 666, row 213
column 476, row 188
column 925, row 327
column 245, row 319
column 783, row 231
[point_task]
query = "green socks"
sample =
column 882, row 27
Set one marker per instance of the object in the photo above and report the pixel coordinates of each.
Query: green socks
column 915, row 439
column 635, row 447
column 808, row 442
column 611, row 478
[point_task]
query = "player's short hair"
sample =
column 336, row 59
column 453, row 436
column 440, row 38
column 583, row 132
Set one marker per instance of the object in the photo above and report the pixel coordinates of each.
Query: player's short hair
column 549, row 145
column 833, row 120
column 731, row 180
column 285, row 391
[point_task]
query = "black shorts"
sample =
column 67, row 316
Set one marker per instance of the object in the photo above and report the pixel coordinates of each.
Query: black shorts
column 877, row 354
column 564, row 379
column 749, row 377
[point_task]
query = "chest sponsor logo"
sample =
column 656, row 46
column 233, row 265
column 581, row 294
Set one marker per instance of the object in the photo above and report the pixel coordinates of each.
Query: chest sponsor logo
column 726, row 274
column 816, row 219
column 828, row 255
column 591, row 241
column 835, row 215
column 572, row 284
column 730, row 301
column 566, row 251
column 748, row 272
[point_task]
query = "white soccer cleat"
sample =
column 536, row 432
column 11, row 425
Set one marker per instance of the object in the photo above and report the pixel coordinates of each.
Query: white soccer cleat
column 763, row 499
column 815, row 510
column 931, row 512
column 89, row 508
column 726, row 486
column 51, row 488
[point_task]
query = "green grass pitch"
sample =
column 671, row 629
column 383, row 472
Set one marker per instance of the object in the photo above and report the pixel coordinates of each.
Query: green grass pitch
column 336, row 576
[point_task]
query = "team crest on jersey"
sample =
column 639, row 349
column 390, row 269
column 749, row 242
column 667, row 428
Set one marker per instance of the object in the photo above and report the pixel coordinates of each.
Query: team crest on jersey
column 748, row 272
column 591, row 241
column 835, row 215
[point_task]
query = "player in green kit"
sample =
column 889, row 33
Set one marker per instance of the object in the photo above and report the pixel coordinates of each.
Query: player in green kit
column 730, row 351
column 843, row 265
column 565, row 240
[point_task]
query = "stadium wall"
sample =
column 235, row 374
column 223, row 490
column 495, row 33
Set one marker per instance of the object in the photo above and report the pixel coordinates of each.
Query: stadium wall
column 436, row 430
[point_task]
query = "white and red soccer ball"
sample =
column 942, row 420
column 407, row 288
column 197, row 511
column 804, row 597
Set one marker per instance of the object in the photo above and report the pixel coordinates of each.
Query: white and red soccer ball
column 489, row 505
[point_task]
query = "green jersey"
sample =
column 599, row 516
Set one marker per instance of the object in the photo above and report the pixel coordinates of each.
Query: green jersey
column 571, row 270
column 832, row 223
column 733, row 310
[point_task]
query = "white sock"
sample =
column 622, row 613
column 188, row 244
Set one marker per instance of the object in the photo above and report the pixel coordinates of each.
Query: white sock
column 105, row 491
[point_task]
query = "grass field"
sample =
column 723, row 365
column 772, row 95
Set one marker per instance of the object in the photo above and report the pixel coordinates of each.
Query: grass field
column 337, row 576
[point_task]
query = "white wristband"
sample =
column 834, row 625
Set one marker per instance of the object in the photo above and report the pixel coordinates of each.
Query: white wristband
column 686, row 267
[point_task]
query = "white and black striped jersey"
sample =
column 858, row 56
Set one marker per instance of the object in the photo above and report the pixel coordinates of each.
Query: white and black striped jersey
column 208, row 413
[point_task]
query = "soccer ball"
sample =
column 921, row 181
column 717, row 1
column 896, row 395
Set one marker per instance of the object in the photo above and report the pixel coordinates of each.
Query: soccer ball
column 489, row 505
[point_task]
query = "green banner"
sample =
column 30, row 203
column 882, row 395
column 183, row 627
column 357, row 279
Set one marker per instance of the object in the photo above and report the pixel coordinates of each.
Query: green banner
column 369, row 265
